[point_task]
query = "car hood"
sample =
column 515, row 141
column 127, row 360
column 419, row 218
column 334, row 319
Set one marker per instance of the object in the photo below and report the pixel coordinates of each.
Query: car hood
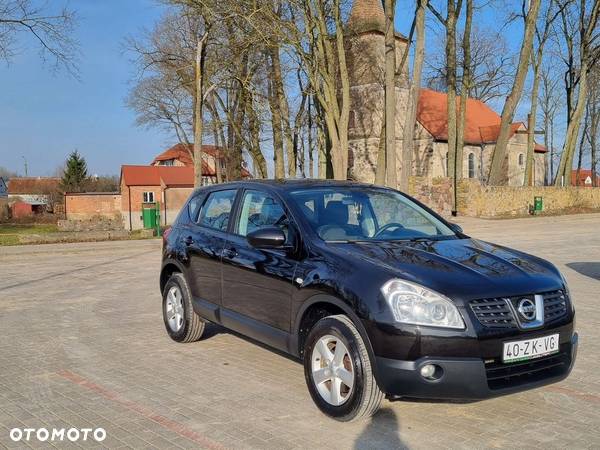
column 460, row 268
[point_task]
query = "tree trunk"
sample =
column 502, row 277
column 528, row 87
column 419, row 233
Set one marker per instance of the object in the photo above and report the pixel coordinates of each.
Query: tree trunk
column 464, row 94
column 451, row 85
column 498, row 164
column 198, row 107
column 258, row 159
column 530, row 159
column 390, row 94
column 408, row 138
column 565, row 167
column 277, row 132
column 284, row 110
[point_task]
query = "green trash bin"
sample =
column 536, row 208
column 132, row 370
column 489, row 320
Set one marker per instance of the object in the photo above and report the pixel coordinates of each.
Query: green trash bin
column 538, row 205
column 149, row 217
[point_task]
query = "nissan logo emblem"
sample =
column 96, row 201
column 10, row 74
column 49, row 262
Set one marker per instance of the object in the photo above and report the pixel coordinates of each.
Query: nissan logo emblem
column 527, row 309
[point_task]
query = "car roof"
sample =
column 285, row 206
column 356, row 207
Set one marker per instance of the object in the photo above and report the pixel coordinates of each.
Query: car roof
column 291, row 184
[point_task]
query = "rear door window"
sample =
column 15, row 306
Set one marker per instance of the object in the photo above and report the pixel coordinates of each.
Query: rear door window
column 217, row 209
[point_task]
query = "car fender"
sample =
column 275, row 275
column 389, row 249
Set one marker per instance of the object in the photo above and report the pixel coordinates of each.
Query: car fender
column 326, row 298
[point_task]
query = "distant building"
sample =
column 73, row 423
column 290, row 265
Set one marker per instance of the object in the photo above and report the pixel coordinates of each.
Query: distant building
column 584, row 178
column 36, row 191
column 365, row 54
column 3, row 188
column 144, row 186
column 213, row 160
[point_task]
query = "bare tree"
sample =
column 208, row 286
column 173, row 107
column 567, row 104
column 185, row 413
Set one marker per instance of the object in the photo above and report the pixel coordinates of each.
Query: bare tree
column 408, row 142
column 316, row 34
column 390, row 95
column 496, row 176
column 550, row 101
column 490, row 65
column 542, row 33
column 52, row 29
column 588, row 54
column 449, row 22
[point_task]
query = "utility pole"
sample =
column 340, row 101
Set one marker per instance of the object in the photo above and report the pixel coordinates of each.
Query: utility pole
column 25, row 164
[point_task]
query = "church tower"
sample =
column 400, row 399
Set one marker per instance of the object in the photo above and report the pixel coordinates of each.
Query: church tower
column 365, row 55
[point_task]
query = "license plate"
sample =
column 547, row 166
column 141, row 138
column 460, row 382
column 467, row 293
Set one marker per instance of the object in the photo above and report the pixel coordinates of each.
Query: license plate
column 530, row 348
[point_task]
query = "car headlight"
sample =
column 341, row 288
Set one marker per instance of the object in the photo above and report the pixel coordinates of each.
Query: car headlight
column 417, row 305
column 566, row 285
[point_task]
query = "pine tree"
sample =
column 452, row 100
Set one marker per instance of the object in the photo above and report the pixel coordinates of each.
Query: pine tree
column 75, row 174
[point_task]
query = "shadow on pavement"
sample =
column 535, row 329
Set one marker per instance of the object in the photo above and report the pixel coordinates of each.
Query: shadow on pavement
column 381, row 432
column 589, row 269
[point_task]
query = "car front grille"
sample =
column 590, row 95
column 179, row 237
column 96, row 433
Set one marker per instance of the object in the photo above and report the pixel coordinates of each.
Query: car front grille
column 555, row 306
column 493, row 313
column 501, row 375
column 497, row 313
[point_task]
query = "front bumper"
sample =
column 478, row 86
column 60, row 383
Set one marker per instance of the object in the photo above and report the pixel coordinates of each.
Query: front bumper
column 472, row 378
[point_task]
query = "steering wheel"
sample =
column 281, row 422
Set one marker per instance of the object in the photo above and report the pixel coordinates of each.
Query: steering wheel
column 387, row 227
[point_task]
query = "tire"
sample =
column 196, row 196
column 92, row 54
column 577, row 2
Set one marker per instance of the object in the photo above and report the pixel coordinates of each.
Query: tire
column 181, row 322
column 322, row 373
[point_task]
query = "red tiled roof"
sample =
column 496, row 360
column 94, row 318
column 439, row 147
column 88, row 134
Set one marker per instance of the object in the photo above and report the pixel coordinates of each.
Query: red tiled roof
column 482, row 124
column 33, row 185
column 157, row 175
column 583, row 175
column 183, row 154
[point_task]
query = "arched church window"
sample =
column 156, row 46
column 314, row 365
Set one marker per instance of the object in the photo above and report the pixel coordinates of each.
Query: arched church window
column 471, row 165
column 521, row 159
column 352, row 120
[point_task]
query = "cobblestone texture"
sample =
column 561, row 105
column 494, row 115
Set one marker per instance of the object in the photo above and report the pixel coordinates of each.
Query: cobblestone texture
column 83, row 345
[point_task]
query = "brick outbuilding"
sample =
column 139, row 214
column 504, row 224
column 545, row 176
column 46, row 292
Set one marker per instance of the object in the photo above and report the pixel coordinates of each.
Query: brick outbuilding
column 145, row 185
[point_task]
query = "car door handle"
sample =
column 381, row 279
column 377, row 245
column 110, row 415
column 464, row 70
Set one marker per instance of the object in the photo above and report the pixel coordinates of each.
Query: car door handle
column 188, row 240
column 230, row 253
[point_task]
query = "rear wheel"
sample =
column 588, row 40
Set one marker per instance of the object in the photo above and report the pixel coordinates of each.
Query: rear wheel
column 181, row 322
column 338, row 370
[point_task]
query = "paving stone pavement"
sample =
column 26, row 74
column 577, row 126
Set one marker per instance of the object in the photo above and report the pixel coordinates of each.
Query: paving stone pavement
column 82, row 344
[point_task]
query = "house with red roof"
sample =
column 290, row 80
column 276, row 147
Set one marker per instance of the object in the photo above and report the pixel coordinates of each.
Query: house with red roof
column 584, row 178
column 146, row 186
column 213, row 161
column 365, row 55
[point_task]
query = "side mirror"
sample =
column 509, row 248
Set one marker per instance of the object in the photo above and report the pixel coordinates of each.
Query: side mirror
column 267, row 237
column 456, row 228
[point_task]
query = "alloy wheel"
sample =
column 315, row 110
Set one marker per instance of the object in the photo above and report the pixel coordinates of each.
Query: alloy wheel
column 175, row 312
column 332, row 370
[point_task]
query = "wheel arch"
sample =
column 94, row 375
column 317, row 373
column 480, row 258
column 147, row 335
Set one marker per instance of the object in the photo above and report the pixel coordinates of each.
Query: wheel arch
column 169, row 267
column 329, row 304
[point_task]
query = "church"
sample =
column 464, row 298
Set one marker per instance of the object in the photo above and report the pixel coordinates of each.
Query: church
column 365, row 55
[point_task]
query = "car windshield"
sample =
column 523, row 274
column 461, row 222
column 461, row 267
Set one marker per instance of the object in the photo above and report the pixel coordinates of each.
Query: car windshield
column 367, row 214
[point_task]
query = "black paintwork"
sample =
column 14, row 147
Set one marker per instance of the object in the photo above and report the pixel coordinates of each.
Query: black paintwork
column 264, row 292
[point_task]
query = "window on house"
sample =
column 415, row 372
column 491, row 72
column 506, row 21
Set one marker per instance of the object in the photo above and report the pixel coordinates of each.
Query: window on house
column 471, row 165
column 521, row 157
column 148, row 197
column 168, row 162
column 352, row 119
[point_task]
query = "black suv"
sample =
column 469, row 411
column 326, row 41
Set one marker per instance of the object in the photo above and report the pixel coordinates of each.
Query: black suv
column 376, row 293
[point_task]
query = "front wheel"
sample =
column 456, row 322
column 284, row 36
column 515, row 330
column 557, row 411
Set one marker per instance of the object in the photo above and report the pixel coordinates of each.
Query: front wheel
column 338, row 370
column 181, row 322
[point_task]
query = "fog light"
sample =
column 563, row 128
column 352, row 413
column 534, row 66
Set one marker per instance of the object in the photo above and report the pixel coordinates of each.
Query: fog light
column 427, row 371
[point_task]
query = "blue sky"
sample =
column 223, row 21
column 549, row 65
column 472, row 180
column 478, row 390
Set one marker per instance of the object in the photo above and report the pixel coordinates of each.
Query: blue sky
column 44, row 116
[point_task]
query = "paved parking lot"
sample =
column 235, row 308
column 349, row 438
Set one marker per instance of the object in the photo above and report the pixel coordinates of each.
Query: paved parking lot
column 82, row 344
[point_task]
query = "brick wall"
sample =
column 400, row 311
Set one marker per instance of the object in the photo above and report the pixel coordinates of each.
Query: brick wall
column 174, row 199
column 506, row 201
column 89, row 205
column 435, row 193
column 475, row 200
